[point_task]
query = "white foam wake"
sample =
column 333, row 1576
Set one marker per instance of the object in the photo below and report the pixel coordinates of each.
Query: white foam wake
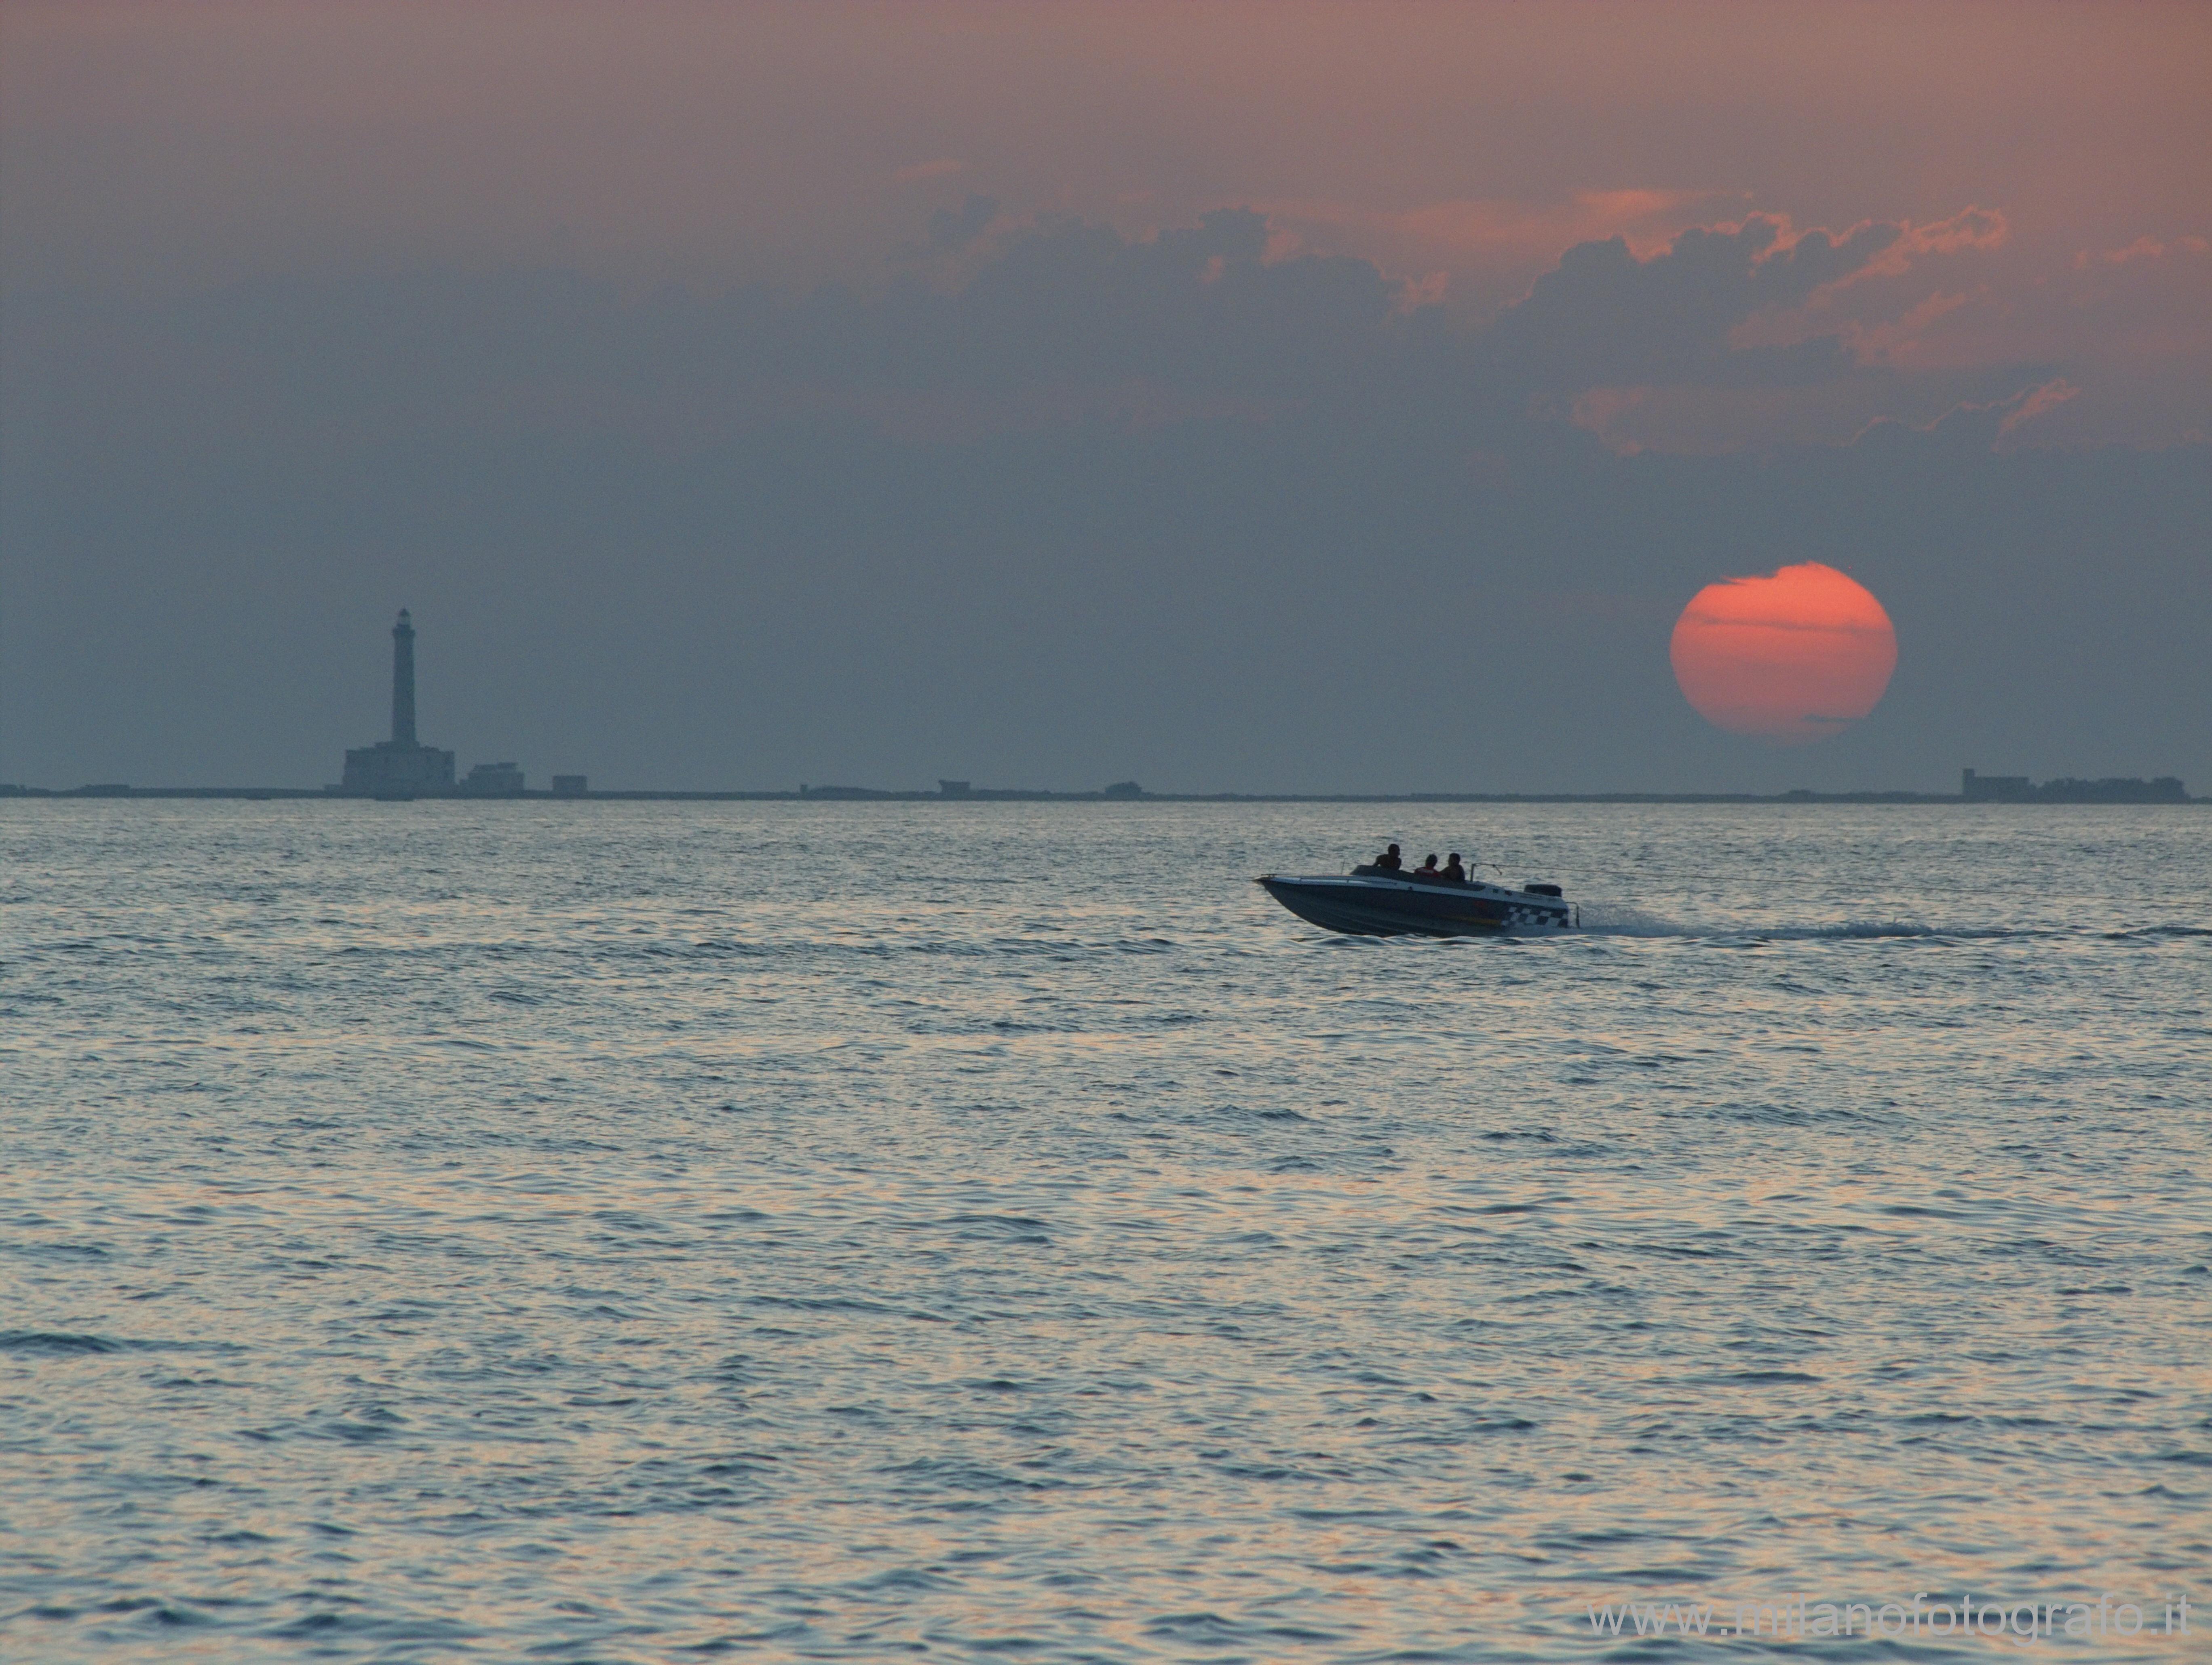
column 1625, row 919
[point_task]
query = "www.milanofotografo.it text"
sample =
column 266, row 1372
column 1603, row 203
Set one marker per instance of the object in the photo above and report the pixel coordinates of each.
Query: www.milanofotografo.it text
column 2025, row 1623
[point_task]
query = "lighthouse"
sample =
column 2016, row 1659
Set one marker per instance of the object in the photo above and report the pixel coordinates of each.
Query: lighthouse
column 403, row 681
column 402, row 766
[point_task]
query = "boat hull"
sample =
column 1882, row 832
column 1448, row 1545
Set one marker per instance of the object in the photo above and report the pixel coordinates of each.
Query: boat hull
column 1363, row 907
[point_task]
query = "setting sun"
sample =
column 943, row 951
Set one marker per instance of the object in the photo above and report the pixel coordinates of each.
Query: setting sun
column 1796, row 655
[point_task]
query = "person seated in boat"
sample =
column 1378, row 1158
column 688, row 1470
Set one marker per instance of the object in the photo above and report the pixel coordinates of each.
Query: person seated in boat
column 1427, row 869
column 1389, row 861
column 1454, row 870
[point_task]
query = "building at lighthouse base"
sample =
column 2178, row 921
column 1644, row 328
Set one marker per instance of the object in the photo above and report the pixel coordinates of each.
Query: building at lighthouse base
column 402, row 766
column 395, row 769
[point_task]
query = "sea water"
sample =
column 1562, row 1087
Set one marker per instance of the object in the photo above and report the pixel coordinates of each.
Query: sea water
column 642, row 1232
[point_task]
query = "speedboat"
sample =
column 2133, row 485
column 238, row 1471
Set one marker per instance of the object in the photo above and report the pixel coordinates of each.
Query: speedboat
column 1373, row 901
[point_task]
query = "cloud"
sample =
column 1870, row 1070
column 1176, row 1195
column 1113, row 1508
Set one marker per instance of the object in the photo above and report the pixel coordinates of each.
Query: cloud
column 1489, row 249
column 1006, row 325
column 1602, row 411
column 1191, row 504
column 1976, row 424
column 2049, row 396
column 1066, row 303
column 1970, row 230
column 1499, row 229
column 951, row 231
column 1604, row 316
column 2143, row 248
column 1000, row 324
column 1880, row 305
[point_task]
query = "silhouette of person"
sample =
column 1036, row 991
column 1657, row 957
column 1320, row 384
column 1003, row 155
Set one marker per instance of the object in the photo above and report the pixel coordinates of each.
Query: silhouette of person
column 1454, row 871
column 1389, row 861
column 1427, row 869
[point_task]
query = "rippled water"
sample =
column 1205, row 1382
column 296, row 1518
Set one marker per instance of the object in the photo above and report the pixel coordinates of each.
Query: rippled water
column 629, row 1232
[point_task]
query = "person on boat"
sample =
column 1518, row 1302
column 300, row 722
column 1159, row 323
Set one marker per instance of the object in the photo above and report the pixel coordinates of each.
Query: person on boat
column 1454, row 870
column 1427, row 869
column 1389, row 861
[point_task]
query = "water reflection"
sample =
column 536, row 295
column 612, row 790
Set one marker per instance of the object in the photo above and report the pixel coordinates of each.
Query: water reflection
column 797, row 1230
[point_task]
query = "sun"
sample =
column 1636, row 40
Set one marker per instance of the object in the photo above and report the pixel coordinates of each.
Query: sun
column 1799, row 655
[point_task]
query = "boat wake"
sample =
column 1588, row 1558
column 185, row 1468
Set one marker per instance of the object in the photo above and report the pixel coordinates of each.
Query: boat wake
column 1625, row 919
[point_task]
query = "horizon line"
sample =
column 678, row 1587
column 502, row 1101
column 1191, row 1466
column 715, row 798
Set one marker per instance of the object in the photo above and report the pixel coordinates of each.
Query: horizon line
column 810, row 794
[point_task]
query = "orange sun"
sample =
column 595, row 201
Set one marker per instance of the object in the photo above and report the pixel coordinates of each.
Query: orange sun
column 1797, row 656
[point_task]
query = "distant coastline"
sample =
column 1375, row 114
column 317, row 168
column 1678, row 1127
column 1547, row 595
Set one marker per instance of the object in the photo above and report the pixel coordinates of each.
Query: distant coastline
column 403, row 769
column 2095, row 792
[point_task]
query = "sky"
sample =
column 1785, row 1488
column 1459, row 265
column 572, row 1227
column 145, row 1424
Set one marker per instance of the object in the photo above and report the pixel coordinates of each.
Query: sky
column 1241, row 398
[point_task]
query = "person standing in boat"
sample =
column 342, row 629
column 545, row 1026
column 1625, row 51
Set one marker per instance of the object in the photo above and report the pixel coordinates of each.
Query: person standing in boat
column 1389, row 861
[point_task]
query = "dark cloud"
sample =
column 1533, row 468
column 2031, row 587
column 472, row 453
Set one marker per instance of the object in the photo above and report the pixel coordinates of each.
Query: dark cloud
column 1605, row 318
column 950, row 231
column 1161, row 506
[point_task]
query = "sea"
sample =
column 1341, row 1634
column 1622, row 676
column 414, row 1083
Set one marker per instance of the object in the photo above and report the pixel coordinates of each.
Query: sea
column 652, row 1231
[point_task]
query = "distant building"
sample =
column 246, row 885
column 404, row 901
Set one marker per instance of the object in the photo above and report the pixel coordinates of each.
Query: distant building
column 402, row 766
column 494, row 780
column 2112, row 788
column 1994, row 789
column 568, row 786
column 1123, row 789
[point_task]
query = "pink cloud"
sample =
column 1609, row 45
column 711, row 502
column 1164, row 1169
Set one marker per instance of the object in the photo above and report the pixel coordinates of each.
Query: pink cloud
column 2143, row 248
column 2049, row 396
column 1487, row 250
column 1888, row 311
column 1494, row 225
column 1971, row 229
column 1902, row 342
column 1993, row 419
column 1601, row 410
column 1428, row 290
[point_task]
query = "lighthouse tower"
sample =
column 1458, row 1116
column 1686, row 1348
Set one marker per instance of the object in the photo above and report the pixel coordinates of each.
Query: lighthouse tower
column 403, row 681
column 402, row 766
